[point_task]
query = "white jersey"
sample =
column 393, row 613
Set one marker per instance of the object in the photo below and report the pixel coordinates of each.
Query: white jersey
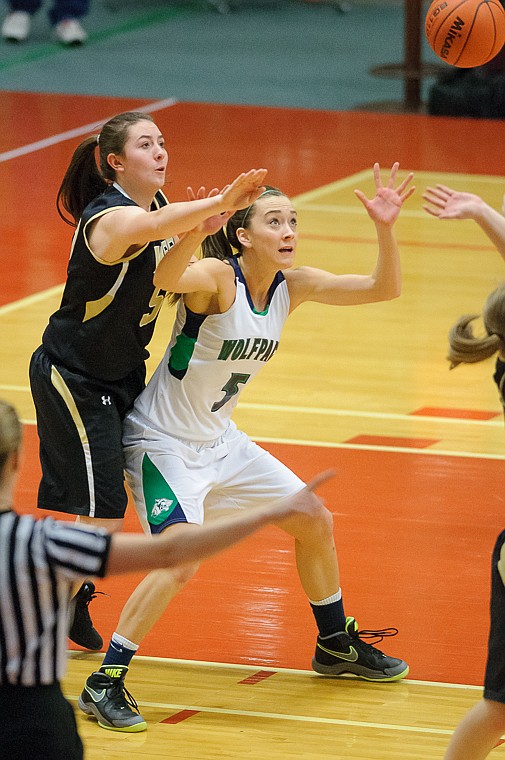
column 208, row 362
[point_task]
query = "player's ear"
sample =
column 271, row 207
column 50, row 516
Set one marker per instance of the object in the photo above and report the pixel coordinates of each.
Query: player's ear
column 243, row 237
column 115, row 162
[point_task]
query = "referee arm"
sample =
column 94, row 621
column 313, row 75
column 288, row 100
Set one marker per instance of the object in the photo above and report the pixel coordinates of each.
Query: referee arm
column 129, row 552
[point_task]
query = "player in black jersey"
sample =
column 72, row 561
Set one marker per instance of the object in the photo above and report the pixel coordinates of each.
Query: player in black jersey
column 91, row 364
column 483, row 726
column 37, row 722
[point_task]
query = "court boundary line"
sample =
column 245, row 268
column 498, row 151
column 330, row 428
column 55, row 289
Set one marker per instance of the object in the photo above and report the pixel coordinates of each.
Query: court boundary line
column 290, row 717
column 358, row 446
column 335, row 412
column 47, row 142
column 277, row 716
column 79, row 655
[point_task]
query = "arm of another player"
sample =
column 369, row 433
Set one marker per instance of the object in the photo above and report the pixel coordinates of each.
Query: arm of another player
column 123, row 230
column 173, row 266
column 191, row 543
column 384, row 283
column 445, row 203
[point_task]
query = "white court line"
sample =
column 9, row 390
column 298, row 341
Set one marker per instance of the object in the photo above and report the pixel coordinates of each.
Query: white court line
column 334, row 208
column 329, row 412
column 74, row 654
column 85, row 129
column 22, row 303
column 371, row 447
column 292, row 717
column 280, row 716
column 368, row 415
column 356, row 446
column 305, row 200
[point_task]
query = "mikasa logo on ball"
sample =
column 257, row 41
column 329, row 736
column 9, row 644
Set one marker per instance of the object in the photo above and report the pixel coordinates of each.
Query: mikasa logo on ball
column 466, row 33
column 454, row 31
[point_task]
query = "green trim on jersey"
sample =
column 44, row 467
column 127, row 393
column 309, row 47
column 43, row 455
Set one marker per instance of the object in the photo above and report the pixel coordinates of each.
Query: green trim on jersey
column 159, row 498
column 181, row 353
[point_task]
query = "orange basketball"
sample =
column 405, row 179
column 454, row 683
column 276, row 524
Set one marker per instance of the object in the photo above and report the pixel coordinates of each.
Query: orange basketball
column 466, row 33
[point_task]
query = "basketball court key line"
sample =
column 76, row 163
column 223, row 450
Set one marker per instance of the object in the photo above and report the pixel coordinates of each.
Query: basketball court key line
column 290, row 717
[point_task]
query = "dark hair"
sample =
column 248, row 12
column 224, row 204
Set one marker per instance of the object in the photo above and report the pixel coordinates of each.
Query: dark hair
column 10, row 432
column 222, row 244
column 465, row 346
column 84, row 178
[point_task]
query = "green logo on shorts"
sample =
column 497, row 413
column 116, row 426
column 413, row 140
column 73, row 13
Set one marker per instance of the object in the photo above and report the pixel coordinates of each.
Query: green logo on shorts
column 159, row 498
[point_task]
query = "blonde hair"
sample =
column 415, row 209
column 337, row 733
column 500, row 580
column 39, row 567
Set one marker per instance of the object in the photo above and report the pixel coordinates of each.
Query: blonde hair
column 10, row 432
column 465, row 346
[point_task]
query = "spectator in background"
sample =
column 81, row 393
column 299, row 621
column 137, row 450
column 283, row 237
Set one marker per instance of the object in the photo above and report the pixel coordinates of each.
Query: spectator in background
column 64, row 16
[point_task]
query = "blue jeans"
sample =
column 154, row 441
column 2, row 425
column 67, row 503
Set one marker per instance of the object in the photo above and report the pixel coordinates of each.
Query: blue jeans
column 60, row 9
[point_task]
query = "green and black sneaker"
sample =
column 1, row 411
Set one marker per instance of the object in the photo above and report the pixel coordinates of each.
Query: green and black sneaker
column 346, row 653
column 104, row 696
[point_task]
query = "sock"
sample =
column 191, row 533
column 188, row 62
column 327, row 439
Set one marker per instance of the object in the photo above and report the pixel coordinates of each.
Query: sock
column 119, row 654
column 329, row 614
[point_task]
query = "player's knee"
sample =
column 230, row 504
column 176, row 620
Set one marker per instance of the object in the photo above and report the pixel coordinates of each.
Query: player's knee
column 315, row 523
column 173, row 577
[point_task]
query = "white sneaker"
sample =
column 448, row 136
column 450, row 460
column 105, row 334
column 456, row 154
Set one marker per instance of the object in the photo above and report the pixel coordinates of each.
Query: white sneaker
column 16, row 26
column 70, row 32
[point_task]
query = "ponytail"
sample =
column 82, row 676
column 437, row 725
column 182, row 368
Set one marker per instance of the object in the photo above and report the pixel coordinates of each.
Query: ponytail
column 82, row 182
column 465, row 346
column 87, row 176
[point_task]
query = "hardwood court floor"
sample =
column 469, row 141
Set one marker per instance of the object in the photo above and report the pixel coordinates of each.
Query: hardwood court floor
column 418, row 449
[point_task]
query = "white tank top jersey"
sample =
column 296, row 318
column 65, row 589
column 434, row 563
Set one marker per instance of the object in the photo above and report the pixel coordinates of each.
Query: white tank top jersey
column 208, row 362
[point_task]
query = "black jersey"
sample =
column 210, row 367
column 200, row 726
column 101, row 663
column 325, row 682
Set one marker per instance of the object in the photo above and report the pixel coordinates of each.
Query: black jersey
column 108, row 311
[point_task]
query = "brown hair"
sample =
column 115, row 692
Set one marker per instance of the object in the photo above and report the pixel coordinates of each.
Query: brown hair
column 10, row 432
column 85, row 178
column 465, row 346
column 222, row 244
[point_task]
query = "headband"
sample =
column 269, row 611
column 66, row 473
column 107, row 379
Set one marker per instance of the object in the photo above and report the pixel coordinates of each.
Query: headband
column 265, row 192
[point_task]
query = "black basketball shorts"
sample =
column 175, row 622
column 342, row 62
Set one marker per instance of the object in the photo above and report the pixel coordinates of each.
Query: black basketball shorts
column 79, row 422
column 494, row 682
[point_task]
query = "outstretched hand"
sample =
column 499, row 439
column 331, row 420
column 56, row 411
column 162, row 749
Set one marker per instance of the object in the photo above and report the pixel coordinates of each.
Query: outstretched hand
column 385, row 207
column 244, row 190
column 302, row 502
column 212, row 224
column 446, row 203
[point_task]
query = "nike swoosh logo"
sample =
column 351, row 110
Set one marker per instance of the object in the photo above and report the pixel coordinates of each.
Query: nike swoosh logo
column 350, row 656
column 96, row 696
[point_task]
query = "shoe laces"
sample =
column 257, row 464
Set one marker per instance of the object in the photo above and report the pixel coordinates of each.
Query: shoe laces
column 378, row 636
column 90, row 596
column 118, row 692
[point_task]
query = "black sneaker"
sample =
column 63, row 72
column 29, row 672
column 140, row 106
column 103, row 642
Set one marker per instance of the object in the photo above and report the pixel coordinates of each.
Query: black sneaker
column 82, row 631
column 345, row 652
column 106, row 698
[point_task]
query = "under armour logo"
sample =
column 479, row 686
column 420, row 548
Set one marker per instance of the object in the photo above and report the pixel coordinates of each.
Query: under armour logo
column 106, row 401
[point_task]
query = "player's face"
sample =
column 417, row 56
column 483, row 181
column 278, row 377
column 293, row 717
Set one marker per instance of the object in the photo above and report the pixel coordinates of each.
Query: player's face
column 144, row 158
column 272, row 231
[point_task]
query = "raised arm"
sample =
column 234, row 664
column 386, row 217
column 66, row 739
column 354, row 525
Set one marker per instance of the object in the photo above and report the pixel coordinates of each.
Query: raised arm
column 445, row 203
column 128, row 228
column 384, row 283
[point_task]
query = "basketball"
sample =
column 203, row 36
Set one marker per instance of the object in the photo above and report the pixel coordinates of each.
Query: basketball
column 466, row 33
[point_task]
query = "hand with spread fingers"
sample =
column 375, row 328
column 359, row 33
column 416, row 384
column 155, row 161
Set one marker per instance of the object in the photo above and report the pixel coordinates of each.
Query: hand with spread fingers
column 385, row 207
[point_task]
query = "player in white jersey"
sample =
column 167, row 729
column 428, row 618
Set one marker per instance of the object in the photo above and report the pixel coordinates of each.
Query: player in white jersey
column 184, row 456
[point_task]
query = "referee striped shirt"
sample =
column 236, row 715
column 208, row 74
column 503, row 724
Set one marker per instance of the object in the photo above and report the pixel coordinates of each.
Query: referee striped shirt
column 39, row 562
